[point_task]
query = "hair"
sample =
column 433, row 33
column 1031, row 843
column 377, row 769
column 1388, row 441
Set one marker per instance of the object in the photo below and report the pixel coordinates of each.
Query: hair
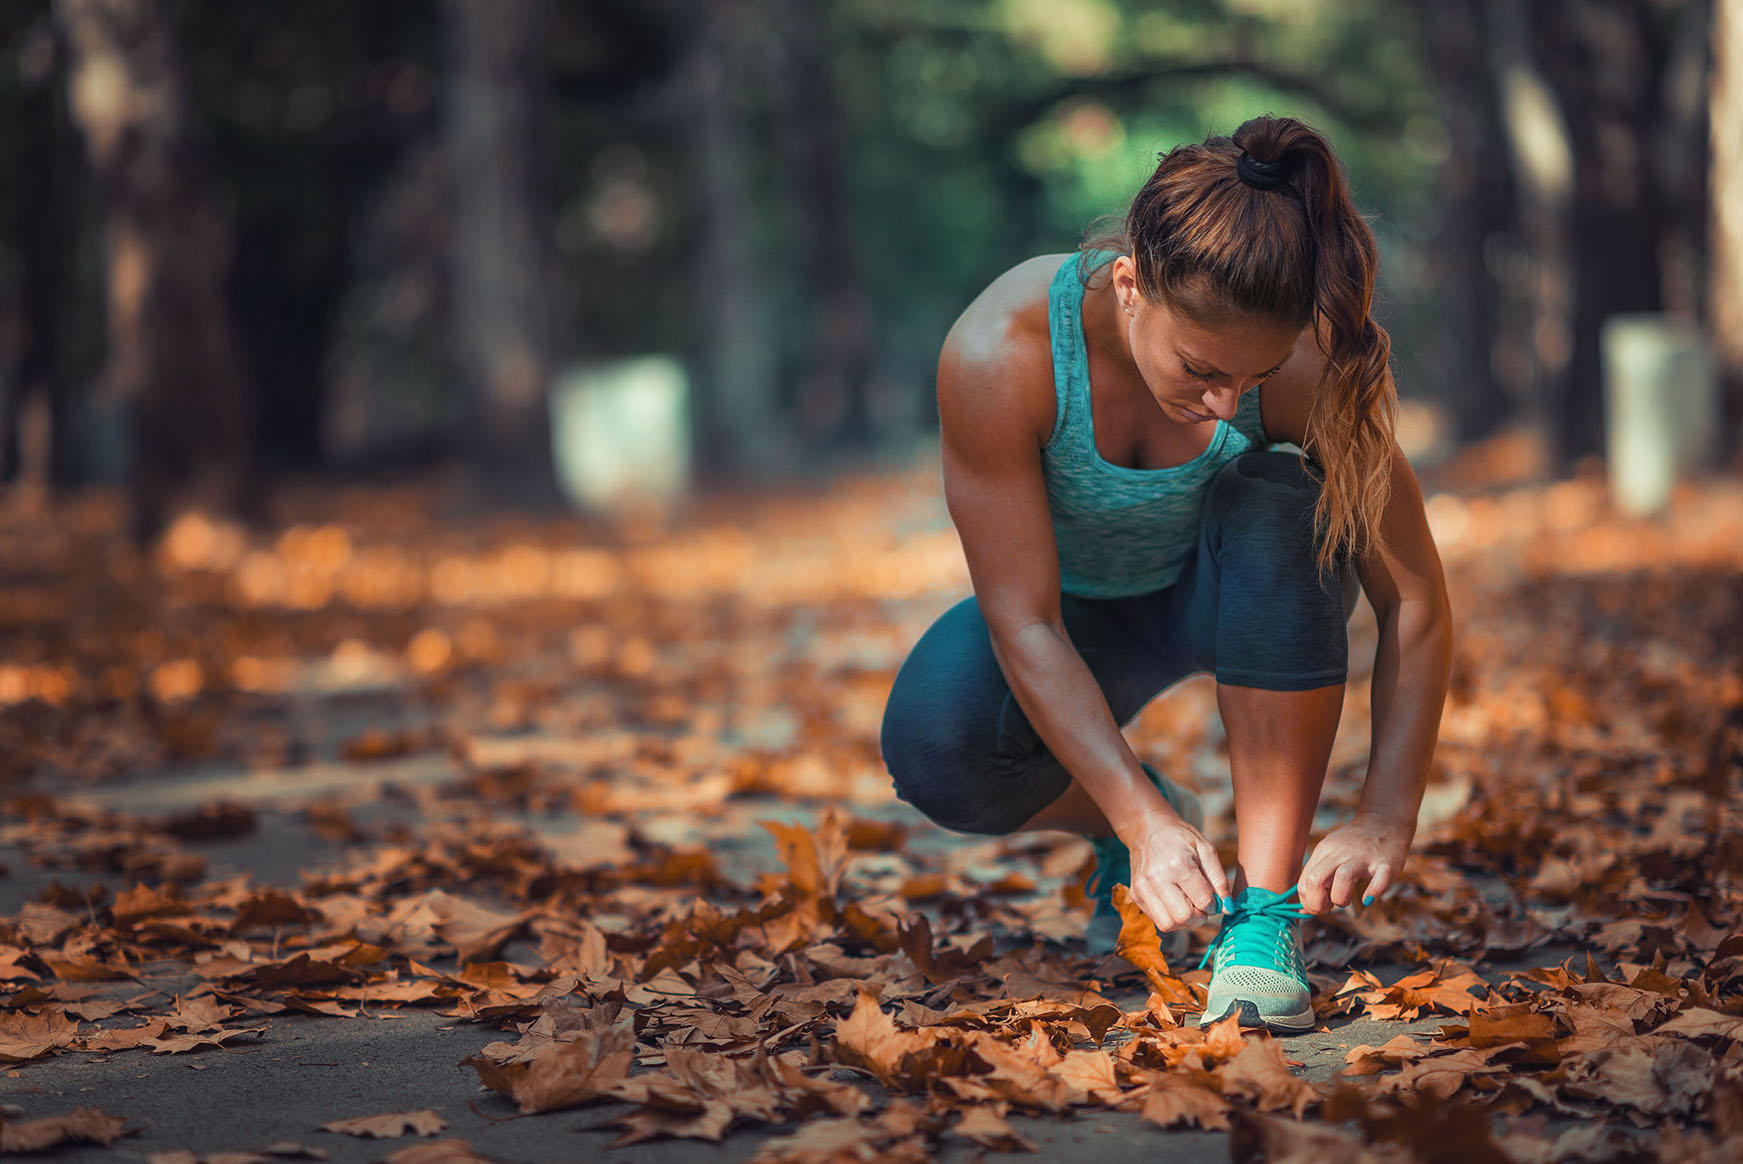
column 1211, row 246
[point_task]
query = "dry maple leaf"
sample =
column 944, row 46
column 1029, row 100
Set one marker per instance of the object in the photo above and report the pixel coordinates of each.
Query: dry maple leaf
column 1139, row 942
column 845, row 1141
column 1261, row 1073
column 443, row 1151
column 563, row 1074
column 1399, row 1050
column 680, row 1116
column 389, row 1125
column 988, row 1128
column 1091, row 1072
column 82, row 1123
column 868, row 1038
column 1254, row 1137
column 1667, row 1081
column 26, row 1036
column 170, row 1044
column 1440, row 1076
column 1173, row 1102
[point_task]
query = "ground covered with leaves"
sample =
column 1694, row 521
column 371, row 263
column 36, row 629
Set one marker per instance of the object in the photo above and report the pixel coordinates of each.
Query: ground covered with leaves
column 610, row 795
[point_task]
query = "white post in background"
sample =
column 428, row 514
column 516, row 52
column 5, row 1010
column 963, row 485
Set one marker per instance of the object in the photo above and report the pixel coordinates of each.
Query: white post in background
column 1661, row 398
column 620, row 433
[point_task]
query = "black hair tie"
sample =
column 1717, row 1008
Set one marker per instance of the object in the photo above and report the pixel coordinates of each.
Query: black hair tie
column 1260, row 175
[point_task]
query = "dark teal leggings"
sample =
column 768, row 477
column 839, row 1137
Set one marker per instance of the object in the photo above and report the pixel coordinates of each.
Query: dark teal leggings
column 1249, row 607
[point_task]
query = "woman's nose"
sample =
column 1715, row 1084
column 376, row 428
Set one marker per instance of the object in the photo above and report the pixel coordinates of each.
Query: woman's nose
column 1221, row 402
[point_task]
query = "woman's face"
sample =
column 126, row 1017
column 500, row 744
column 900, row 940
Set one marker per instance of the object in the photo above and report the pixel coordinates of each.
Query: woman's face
column 1197, row 372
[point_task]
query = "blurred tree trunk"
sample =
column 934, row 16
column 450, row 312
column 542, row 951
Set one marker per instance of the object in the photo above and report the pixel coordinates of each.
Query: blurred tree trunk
column 1604, row 59
column 506, row 287
column 1540, row 149
column 1474, row 193
column 173, row 348
column 742, row 428
column 833, row 383
column 35, row 429
column 1596, row 97
column 1725, row 278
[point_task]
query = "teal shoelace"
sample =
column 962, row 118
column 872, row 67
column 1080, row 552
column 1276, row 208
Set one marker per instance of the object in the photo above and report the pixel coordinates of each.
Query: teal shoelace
column 1259, row 931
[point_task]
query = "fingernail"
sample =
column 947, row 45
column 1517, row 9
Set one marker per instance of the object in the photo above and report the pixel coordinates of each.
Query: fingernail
column 1369, row 900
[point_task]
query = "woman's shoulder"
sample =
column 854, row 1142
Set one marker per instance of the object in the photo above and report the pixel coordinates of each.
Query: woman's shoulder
column 999, row 351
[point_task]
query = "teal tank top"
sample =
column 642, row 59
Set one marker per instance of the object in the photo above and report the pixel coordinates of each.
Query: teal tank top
column 1120, row 531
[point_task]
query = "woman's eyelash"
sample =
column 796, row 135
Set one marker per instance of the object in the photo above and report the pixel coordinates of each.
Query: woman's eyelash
column 1192, row 371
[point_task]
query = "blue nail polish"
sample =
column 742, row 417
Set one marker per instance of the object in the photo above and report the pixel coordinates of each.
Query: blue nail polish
column 1367, row 901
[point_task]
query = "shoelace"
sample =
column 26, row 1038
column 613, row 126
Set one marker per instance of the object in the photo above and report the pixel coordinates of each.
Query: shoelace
column 1254, row 932
column 1113, row 866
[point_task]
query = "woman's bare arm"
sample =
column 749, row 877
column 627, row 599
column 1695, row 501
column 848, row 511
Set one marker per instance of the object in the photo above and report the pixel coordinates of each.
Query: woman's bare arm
column 995, row 402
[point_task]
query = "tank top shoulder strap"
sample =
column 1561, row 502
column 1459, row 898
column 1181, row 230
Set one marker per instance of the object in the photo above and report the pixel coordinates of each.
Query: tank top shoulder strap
column 1065, row 328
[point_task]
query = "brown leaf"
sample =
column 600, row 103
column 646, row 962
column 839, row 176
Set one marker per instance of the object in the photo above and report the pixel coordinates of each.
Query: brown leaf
column 1698, row 1022
column 170, row 1044
column 1399, row 1050
column 1091, row 1072
column 389, row 1125
column 444, row 1151
column 1139, row 942
column 1261, row 1073
column 1173, row 1102
column 1441, row 1076
column 844, row 1141
column 1255, row 1137
column 868, row 1038
column 1669, row 1081
column 563, row 1074
column 705, row 1119
column 85, row 1124
column 30, row 1036
column 989, row 1129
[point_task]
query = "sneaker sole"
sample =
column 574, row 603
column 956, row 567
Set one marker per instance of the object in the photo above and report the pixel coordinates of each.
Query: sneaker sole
column 1282, row 1024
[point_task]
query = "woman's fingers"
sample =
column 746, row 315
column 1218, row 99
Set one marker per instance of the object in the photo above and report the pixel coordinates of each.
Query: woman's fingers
column 1343, row 884
column 1196, row 888
column 1140, row 894
column 1313, row 883
column 1178, row 908
column 1214, row 872
column 1379, row 883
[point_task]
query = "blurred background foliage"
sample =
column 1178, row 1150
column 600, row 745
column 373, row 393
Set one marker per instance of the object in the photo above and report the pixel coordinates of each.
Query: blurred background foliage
column 794, row 197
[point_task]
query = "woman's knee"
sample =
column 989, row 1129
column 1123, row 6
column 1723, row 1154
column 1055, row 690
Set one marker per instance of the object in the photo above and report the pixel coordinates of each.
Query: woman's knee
column 944, row 759
column 1263, row 485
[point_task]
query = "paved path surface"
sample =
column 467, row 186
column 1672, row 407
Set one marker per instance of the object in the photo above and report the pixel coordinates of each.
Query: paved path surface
column 308, row 1070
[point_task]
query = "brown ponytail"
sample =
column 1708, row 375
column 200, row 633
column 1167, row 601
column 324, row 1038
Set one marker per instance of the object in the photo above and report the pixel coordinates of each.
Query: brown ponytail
column 1210, row 246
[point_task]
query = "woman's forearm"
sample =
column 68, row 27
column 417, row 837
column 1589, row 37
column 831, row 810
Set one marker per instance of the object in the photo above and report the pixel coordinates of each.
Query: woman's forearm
column 1411, row 665
column 1066, row 707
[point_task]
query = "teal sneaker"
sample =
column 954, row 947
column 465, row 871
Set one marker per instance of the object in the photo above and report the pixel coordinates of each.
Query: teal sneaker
column 1256, row 966
column 1113, row 866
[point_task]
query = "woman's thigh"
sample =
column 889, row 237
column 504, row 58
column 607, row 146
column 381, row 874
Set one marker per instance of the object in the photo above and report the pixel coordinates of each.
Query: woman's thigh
column 1251, row 604
column 956, row 742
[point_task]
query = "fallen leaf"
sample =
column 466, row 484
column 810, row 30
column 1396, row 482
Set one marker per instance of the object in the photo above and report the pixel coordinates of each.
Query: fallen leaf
column 563, row 1074
column 85, row 1124
column 389, row 1125
column 1261, row 1073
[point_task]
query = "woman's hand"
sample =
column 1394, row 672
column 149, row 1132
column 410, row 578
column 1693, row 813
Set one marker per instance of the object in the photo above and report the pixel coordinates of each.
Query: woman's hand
column 1368, row 847
column 1176, row 875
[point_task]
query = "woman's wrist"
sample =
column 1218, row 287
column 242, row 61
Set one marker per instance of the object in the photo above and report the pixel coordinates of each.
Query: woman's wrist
column 1148, row 812
column 1392, row 819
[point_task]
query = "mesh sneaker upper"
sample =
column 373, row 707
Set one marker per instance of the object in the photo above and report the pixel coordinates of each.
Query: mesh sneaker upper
column 1257, row 947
